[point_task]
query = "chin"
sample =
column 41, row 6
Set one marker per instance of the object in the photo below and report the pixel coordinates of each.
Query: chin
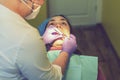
column 58, row 43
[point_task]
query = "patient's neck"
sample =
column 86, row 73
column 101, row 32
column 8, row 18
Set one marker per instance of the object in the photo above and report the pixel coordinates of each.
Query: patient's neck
column 56, row 48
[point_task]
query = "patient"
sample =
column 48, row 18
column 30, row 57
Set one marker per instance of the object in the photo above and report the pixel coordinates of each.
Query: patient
column 80, row 67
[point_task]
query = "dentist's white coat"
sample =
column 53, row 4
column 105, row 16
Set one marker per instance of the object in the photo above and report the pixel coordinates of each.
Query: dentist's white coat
column 22, row 51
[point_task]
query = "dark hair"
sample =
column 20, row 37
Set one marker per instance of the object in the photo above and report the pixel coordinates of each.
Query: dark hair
column 65, row 19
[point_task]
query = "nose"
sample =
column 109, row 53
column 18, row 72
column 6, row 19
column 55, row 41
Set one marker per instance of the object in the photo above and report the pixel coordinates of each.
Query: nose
column 58, row 25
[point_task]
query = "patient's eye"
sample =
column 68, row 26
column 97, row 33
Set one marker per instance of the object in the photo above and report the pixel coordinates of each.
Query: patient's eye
column 64, row 23
column 51, row 24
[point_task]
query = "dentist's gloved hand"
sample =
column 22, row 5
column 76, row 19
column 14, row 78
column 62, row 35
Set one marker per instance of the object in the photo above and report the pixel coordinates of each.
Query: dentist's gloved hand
column 50, row 35
column 69, row 44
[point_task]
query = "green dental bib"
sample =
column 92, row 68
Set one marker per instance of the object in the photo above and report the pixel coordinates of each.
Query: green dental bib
column 80, row 67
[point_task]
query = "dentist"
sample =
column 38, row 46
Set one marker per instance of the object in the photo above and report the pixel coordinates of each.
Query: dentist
column 23, row 54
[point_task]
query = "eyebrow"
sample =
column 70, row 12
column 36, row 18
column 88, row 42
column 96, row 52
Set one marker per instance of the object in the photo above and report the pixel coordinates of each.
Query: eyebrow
column 63, row 19
column 60, row 19
column 52, row 20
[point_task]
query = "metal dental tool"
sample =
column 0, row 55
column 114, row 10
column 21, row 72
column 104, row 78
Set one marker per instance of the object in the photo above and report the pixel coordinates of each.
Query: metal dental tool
column 59, row 32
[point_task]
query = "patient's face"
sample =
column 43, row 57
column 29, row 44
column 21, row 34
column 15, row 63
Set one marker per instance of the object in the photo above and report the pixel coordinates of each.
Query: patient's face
column 60, row 23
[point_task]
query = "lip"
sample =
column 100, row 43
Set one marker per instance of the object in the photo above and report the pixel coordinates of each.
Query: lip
column 61, row 38
column 55, row 33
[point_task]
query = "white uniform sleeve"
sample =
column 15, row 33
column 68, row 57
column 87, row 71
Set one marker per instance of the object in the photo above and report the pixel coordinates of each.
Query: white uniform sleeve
column 32, row 59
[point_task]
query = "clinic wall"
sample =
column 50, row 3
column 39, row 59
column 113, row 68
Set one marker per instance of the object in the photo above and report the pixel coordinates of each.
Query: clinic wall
column 111, row 22
column 40, row 18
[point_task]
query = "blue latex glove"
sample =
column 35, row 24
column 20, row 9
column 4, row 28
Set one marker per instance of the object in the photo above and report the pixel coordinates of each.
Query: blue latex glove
column 69, row 44
column 50, row 35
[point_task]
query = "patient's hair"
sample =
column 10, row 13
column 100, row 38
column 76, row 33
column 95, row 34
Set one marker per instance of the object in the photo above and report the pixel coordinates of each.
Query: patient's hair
column 66, row 20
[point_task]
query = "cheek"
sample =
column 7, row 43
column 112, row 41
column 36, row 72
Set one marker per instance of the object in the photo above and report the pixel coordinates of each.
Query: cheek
column 66, row 32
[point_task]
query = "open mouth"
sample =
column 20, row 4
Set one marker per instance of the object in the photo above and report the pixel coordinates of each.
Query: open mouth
column 55, row 33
